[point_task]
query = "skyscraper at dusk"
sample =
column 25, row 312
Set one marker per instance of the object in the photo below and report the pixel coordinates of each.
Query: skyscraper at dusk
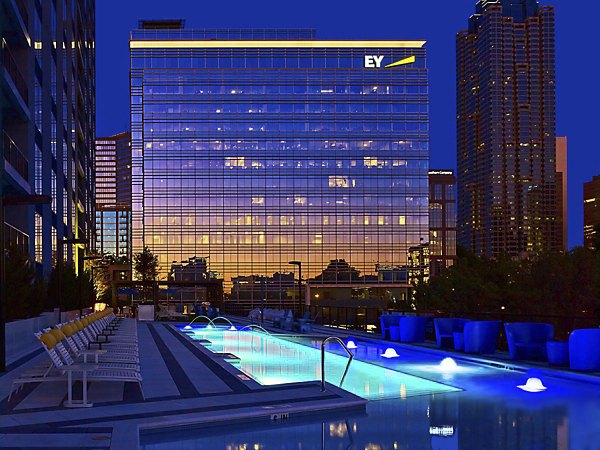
column 113, row 195
column 506, row 130
column 48, row 120
column 591, row 211
column 255, row 148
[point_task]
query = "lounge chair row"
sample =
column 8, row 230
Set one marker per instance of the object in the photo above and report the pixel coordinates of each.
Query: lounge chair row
column 111, row 343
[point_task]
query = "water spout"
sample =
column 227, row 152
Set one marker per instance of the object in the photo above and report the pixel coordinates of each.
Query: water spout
column 253, row 327
column 196, row 318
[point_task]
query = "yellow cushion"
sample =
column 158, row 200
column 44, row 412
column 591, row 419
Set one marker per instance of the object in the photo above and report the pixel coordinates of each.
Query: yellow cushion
column 67, row 330
column 58, row 335
column 78, row 324
column 48, row 340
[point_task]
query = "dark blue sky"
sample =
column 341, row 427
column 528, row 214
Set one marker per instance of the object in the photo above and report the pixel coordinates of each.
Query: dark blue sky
column 437, row 21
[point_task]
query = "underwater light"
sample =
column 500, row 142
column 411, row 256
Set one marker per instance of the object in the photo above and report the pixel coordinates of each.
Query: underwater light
column 533, row 385
column 232, row 328
column 209, row 327
column 187, row 327
column 390, row 353
column 351, row 344
column 448, row 365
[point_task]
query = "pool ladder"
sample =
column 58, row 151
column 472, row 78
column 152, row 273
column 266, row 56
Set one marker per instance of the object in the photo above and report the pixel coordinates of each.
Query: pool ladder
column 337, row 339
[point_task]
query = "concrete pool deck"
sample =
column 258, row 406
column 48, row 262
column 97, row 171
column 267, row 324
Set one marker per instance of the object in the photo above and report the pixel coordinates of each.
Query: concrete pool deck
column 183, row 384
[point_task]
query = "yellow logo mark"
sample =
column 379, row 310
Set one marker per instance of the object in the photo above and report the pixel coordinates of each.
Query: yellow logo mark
column 402, row 62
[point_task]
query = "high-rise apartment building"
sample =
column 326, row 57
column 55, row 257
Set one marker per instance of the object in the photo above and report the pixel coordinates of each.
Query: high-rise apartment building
column 113, row 195
column 562, row 189
column 442, row 220
column 591, row 212
column 506, row 130
column 47, row 118
column 257, row 147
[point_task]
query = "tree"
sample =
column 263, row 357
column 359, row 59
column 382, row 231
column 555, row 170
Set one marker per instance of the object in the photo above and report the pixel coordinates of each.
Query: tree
column 145, row 266
column 68, row 297
column 24, row 290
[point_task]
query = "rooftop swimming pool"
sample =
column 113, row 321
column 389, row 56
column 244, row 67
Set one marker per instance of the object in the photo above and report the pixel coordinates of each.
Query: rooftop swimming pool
column 271, row 359
column 415, row 401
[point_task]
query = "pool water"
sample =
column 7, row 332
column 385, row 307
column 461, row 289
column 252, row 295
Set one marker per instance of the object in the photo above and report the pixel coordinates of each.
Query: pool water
column 488, row 412
column 270, row 360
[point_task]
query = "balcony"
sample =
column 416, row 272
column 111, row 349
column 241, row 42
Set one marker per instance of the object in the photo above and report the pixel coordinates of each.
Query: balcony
column 15, row 157
column 10, row 64
column 22, row 6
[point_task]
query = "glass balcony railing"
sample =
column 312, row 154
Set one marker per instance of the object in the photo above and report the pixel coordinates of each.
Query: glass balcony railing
column 12, row 68
column 14, row 156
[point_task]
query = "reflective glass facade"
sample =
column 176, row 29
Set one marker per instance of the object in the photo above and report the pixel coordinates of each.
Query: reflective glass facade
column 257, row 152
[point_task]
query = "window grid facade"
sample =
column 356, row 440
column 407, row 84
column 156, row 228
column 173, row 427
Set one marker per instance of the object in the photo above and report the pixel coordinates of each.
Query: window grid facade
column 254, row 157
column 506, row 130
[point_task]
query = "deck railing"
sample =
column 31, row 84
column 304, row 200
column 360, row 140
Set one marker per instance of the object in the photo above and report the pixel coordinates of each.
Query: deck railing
column 14, row 156
column 11, row 66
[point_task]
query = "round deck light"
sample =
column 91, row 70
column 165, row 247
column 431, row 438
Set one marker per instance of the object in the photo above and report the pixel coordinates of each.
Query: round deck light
column 448, row 365
column 533, row 385
column 390, row 353
column 351, row 344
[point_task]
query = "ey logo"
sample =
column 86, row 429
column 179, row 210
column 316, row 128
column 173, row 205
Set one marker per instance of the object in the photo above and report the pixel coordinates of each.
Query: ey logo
column 374, row 62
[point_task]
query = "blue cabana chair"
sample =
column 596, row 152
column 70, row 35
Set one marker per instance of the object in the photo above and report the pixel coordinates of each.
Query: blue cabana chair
column 386, row 321
column 412, row 328
column 481, row 336
column 527, row 340
column 445, row 327
column 583, row 349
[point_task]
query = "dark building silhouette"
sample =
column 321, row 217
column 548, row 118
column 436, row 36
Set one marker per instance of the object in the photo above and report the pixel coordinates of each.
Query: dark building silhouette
column 47, row 124
column 591, row 212
column 506, row 130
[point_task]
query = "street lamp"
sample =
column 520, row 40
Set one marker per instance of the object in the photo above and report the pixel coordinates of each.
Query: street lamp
column 299, row 264
column 10, row 200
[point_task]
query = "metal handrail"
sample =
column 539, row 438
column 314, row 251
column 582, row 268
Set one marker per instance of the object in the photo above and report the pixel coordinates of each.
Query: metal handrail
column 333, row 338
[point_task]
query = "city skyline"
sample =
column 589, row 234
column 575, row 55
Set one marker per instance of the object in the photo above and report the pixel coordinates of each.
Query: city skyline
column 112, row 106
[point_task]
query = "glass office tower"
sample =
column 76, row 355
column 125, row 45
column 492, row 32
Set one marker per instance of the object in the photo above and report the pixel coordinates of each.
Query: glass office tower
column 506, row 130
column 255, row 148
column 113, row 195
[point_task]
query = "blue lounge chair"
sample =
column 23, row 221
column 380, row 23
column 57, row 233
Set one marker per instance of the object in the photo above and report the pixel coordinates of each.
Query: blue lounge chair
column 386, row 321
column 527, row 340
column 481, row 336
column 445, row 327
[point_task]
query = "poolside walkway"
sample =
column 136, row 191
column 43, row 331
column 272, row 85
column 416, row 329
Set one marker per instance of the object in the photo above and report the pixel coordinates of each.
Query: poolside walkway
column 182, row 383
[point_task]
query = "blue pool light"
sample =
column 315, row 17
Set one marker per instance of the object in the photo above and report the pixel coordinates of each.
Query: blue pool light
column 232, row 328
column 351, row 344
column 187, row 327
column 533, row 385
column 448, row 365
column 390, row 353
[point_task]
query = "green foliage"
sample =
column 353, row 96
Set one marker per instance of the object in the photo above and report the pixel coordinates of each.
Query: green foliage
column 24, row 291
column 553, row 283
column 76, row 291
